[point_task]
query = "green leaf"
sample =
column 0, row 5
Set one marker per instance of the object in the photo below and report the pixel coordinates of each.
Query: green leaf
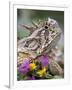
column 20, row 76
column 48, row 76
column 57, row 77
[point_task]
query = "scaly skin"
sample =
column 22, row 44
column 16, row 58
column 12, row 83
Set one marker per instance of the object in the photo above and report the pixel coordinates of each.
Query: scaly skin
column 44, row 37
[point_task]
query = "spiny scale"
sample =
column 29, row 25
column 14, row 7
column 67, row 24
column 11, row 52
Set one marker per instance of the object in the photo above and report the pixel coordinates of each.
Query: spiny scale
column 45, row 36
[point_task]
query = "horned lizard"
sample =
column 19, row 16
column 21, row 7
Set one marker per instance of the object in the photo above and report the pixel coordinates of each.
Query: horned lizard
column 43, row 38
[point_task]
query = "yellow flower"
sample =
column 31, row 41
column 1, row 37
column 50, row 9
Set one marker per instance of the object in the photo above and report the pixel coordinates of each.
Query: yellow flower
column 32, row 66
column 41, row 72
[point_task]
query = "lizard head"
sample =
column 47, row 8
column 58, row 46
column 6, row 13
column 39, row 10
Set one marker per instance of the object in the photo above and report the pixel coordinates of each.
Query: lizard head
column 49, row 23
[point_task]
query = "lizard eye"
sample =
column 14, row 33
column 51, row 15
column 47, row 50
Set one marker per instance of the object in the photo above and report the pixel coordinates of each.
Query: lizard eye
column 46, row 27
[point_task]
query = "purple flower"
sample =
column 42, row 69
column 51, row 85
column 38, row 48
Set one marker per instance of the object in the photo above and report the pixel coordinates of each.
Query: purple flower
column 44, row 60
column 24, row 66
column 31, row 78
